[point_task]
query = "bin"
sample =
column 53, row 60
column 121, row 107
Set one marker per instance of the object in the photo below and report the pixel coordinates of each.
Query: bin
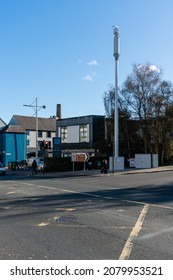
column 13, row 165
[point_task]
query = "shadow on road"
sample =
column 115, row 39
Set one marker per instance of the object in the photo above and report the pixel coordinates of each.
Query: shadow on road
column 106, row 198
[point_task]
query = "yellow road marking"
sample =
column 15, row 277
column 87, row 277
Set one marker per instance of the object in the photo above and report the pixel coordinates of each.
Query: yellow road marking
column 46, row 223
column 11, row 192
column 43, row 224
column 65, row 209
column 134, row 233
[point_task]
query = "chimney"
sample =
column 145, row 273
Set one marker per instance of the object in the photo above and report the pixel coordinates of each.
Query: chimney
column 58, row 111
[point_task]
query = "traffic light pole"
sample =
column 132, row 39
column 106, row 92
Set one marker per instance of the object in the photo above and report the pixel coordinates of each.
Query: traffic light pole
column 36, row 132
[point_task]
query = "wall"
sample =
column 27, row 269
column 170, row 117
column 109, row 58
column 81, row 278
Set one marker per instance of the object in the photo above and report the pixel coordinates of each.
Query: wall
column 32, row 139
column 95, row 132
column 15, row 147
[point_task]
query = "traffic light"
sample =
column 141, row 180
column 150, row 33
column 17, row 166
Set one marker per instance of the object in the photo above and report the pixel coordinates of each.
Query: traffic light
column 46, row 145
column 41, row 145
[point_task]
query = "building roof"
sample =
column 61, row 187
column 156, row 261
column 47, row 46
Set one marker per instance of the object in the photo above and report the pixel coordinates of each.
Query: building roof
column 2, row 123
column 13, row 129
column 79, row 120
column 29, row 123
column 82, row 117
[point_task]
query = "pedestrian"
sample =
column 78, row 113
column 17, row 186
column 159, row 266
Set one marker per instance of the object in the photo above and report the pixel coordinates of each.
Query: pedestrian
column 104, row 168
column 17, row 165
column 34, row 167
column 26, row 164
column 44, row 168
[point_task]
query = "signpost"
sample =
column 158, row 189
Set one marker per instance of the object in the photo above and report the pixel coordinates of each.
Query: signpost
column 79, row 157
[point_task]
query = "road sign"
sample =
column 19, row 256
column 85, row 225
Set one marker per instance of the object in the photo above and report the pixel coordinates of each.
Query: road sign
column 79, row 157
column 57, row 146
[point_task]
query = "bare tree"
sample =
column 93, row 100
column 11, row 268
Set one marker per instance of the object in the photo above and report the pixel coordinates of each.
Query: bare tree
column 145, row 112
column 163, row 116
column 138, row 91
column 139, row 88
column 109, row 101
column 148, row 98
column 124, row 116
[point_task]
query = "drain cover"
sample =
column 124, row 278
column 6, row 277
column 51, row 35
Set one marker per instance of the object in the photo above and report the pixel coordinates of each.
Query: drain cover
column 65, row 219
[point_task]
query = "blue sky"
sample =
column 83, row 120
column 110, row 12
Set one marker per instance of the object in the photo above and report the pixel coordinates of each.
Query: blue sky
column 61, row 51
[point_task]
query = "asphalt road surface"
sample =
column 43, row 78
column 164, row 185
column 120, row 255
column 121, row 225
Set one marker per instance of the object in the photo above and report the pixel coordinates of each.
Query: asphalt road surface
column 95, row 217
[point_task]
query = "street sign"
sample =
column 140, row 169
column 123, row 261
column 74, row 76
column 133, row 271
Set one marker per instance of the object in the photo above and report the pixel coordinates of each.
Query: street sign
column 57, row 146
column 87, row 157
column 79, row 157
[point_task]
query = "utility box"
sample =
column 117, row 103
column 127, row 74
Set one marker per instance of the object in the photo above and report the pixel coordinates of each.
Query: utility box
column 12, row 165
column 155, row 160
column 142, row 160
column 146, row 161
column 116, row 164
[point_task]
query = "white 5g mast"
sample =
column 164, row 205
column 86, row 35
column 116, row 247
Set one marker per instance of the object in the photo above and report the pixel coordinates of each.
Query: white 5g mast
column 118, row 162
column 116, row 122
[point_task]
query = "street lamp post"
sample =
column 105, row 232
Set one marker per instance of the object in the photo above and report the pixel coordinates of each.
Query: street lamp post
column 36, row 108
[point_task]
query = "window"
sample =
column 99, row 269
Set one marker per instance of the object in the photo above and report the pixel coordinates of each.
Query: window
column 83, row 133
column 27, row 142
column 64, row 134
column 40, row 144
column 48, row 134
column 40, row 134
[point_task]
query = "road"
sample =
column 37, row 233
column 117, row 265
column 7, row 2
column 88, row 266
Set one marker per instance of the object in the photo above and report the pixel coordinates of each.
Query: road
column 121, row 216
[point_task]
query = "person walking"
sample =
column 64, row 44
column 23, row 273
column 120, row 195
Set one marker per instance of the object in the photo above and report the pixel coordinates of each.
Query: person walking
column 34, row 167
column 104, row 168
column 44, row 168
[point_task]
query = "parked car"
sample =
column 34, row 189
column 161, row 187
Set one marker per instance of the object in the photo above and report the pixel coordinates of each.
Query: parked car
column 2, row 170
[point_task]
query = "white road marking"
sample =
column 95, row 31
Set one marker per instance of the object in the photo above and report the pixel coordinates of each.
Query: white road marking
column 134, row 233
column 156, row 233
column 151, row 204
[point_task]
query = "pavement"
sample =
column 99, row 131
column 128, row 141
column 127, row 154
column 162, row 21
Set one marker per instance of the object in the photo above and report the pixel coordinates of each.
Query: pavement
column 28, row 173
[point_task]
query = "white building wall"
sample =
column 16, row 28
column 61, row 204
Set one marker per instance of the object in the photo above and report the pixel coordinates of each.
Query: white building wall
column 73, row 134
column 59, row 132
column 88, row 134
column 32, row 138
